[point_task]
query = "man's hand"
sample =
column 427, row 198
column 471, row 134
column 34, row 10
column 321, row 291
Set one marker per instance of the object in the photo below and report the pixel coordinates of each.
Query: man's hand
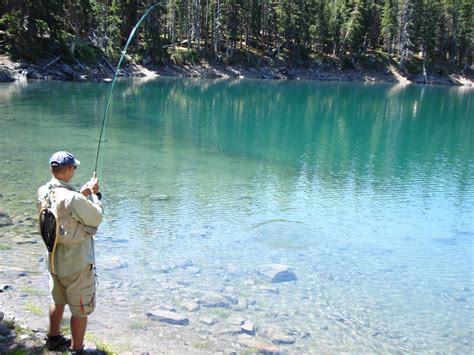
column 92, row 186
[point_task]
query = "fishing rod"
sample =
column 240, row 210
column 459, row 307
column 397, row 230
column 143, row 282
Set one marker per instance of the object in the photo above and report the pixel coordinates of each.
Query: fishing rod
column 124, row 51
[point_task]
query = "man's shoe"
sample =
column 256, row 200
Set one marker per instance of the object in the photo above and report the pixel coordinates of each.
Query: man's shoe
column 57, row 343
column 81, row 351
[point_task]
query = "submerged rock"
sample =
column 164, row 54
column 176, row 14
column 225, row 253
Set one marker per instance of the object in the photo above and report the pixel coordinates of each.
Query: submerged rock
column 248, row 327
column 213, row 299
column 4, row 330
column 235, row 320
column 5, row 287
column 167, row 317
column 207, row 320
column 7, row 75
column 260, row 345
column 277, row 336
column 112, row 263
column 191, row 306
column 185, row 264
column 230, row 330
column 277, row 273
column 269, row 289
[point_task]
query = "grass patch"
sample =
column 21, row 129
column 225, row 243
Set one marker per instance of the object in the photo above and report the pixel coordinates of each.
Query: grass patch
column 65, row 330
column 9, row 323
column 4, row 247
column 32, row 308
column 137, row 325
column 202, row 346
column 106, row 348
column 220, row 312
column 33, row 291
column 251, row 351
column 21, row 330
column 20, row 352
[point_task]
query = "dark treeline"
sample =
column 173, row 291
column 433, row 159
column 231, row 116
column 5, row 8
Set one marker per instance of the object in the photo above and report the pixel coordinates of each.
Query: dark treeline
column 297, row 31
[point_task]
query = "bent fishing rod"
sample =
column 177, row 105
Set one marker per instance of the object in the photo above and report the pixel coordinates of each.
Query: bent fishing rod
column 124, row 51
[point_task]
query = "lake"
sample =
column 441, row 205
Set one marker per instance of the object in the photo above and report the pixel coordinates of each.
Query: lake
column 365, row 191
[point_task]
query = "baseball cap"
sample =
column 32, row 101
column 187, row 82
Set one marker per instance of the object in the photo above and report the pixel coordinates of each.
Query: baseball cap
column 63, row 158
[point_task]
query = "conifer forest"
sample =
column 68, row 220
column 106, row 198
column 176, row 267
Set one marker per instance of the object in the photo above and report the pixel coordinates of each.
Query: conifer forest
column 432, row 32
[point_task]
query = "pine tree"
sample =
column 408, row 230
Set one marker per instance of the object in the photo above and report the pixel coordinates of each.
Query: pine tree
column 389, row 26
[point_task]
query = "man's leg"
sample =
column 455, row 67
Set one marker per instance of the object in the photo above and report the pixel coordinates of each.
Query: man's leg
column 55, row 341
column 78, row 329
column 55, row 316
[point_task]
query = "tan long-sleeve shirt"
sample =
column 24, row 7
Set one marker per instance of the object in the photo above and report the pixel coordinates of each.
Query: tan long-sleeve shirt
column 78, row 218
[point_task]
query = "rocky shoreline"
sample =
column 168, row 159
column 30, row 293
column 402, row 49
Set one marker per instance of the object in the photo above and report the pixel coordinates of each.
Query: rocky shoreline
column 104, row 70
column 193, row 320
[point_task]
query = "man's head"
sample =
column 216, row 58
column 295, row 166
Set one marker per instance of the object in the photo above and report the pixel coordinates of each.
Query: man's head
column 63, row 165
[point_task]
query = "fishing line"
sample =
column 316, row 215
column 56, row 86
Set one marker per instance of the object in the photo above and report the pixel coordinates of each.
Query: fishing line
column 124, row 51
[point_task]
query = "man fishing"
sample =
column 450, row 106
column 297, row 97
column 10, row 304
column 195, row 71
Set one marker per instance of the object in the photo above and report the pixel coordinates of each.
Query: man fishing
column 68, row 221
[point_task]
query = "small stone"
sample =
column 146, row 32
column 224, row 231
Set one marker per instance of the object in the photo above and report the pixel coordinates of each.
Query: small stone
column 167, row 317
column 213, row 299
column 112, row 263
column 185, row 264
column 235, row 320
column 25, row 337
column 191, row 306
column 167, row 268
column 161, row 197
column 249, row 282
column 22, row 274
column 251, row 302
column 270, row 289
column 239, row 308
column 277, row 336
column 230, row 330
column 248, row 327
column 207, row 320
column 277, row 273
column 262, row 346
column 23, row 242
column 232, row 299
column 167, row 307
column 4, row 330
column 5, row 287
column 193, row 270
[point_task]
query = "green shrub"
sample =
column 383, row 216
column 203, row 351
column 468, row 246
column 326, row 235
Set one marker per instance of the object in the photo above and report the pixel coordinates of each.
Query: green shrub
column 86, row 54
column 182, row 56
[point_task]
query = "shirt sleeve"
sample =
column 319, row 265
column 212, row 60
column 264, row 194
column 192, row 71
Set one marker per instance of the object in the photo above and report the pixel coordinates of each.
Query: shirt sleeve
column 41, row 195
column 85, row 211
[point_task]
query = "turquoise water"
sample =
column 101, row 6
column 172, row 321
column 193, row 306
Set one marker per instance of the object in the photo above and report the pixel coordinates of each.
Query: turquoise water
column 365, row 191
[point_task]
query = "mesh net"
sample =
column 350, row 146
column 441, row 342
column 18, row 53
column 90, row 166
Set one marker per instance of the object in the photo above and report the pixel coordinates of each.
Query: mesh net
column 47, row 222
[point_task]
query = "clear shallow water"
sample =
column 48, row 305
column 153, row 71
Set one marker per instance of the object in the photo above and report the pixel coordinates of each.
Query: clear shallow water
column 365, row 191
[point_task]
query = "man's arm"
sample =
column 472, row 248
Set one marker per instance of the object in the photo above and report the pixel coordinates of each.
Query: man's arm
column 85, row 211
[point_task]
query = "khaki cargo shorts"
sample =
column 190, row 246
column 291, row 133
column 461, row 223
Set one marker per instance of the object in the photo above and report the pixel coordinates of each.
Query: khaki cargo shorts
column 76, row 290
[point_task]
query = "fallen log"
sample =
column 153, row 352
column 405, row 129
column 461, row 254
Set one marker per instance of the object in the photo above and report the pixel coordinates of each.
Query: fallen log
column 52, row 62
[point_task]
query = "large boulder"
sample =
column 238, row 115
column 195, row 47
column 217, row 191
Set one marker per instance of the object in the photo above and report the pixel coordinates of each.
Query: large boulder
column 7, row 75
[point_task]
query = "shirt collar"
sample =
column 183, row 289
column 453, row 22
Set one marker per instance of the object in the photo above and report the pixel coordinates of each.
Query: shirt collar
column 60, row 183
